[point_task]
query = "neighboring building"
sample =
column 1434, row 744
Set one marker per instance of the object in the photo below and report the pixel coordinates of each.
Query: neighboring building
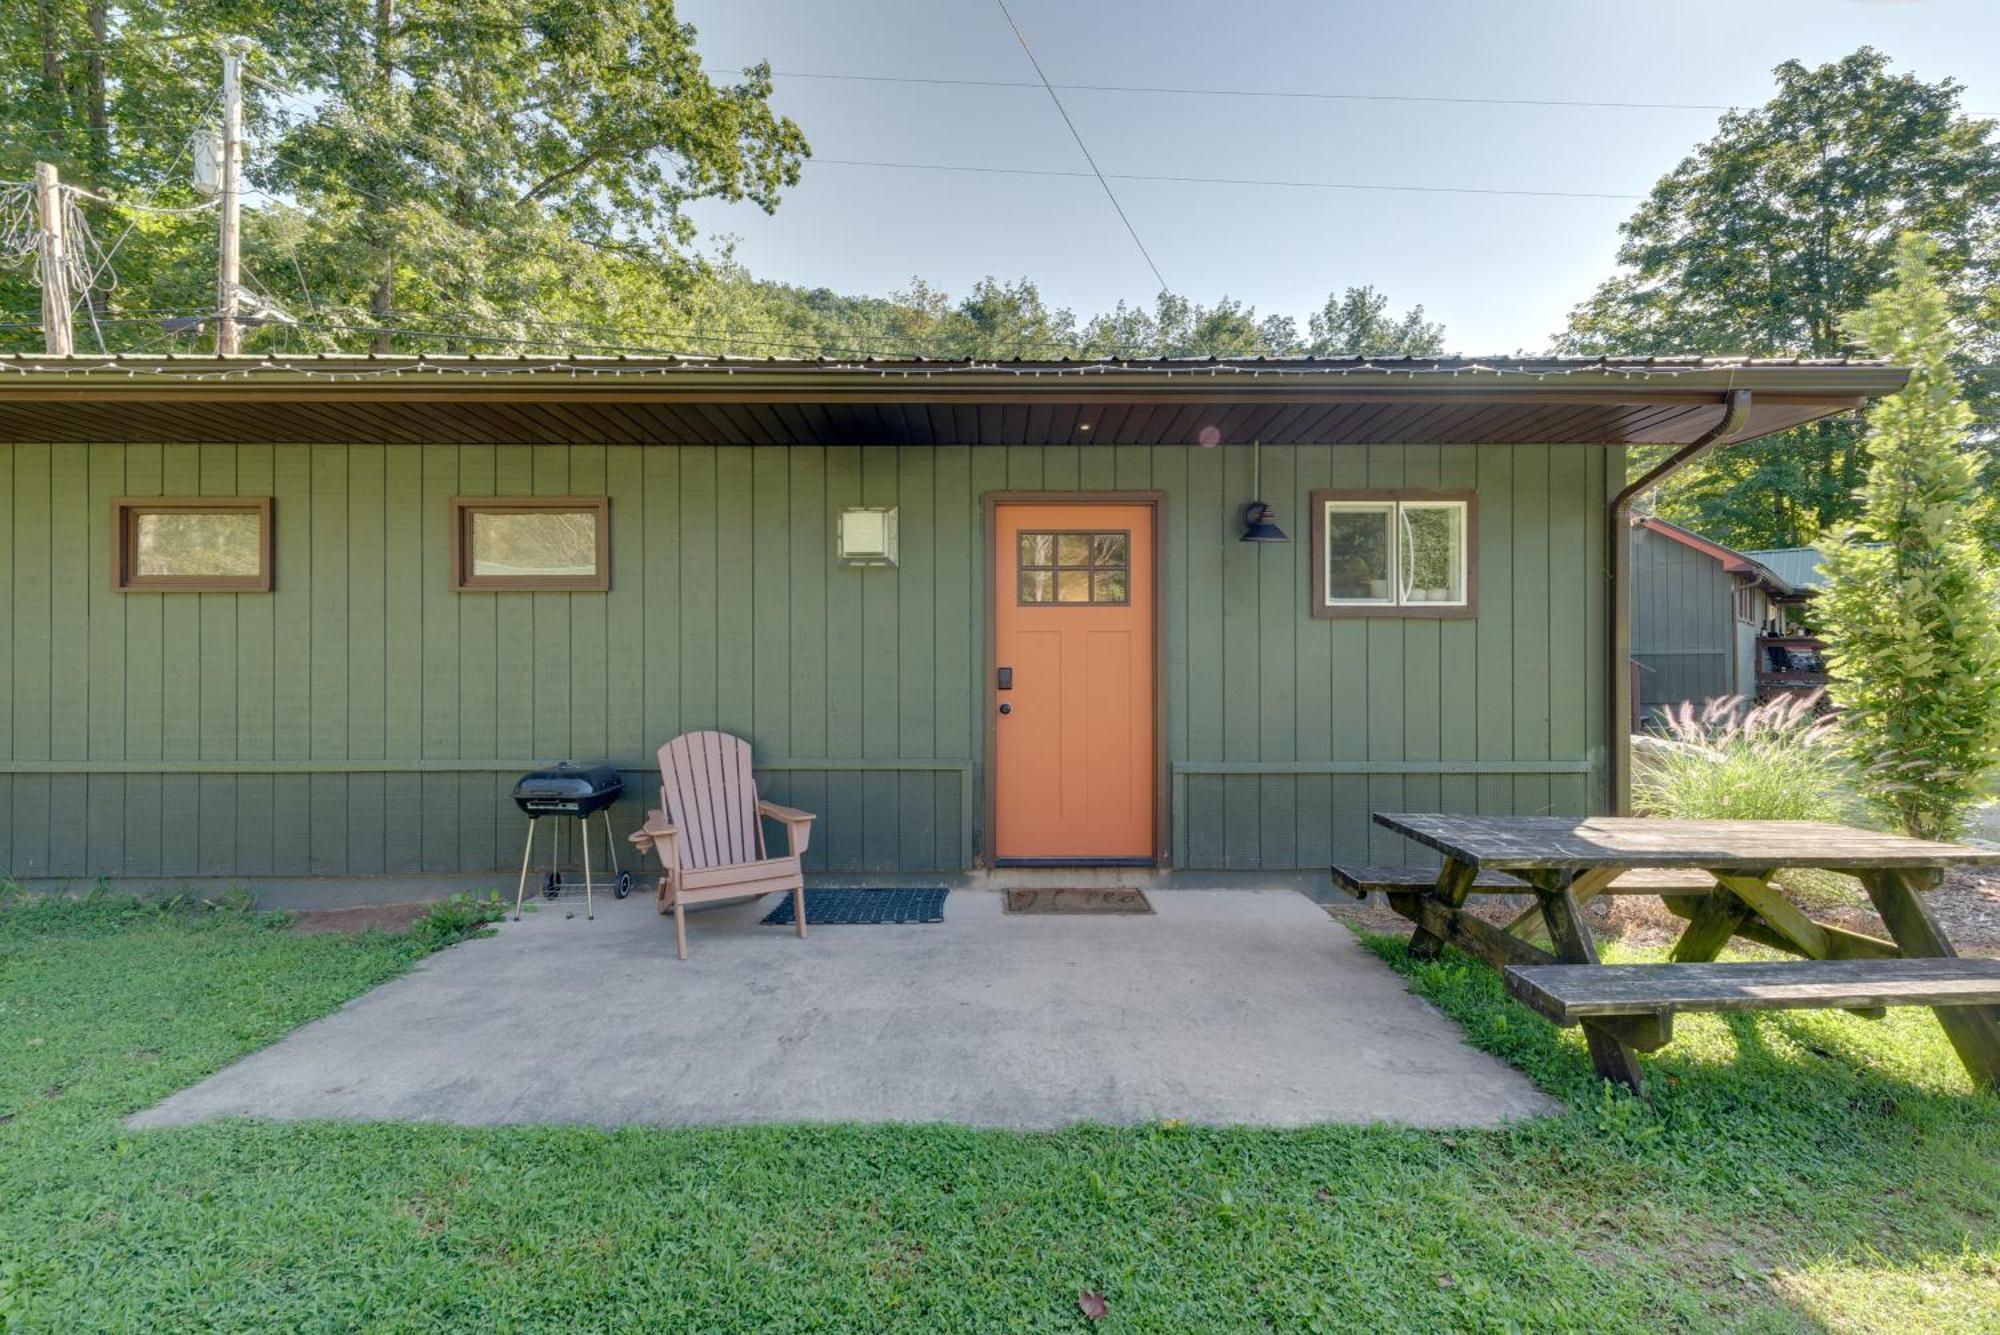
column 312, row 615
column 1709, row 621
column 1797, row 566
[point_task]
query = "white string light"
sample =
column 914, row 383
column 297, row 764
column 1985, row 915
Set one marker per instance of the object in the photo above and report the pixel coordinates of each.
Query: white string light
column 176, row 368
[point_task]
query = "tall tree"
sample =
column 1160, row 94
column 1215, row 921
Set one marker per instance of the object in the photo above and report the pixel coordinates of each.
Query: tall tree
column 1765, row 240
column 1358, row 323
column 1354, row 321
column 464, row 143
column 440, row 164
column 1912, row 607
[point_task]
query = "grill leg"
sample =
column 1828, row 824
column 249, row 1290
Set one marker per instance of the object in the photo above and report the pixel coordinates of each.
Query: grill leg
column 589, row 903
column 610, row 842
column 527, row 851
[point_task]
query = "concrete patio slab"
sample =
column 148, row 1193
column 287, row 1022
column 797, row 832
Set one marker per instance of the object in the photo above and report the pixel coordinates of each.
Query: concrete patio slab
column 1234, row 1006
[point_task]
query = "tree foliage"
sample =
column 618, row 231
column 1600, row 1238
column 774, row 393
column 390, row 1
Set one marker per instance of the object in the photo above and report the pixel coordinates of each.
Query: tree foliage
column 1770, row 235
column 498, row 176
column 1910, row 610
column 423, row 163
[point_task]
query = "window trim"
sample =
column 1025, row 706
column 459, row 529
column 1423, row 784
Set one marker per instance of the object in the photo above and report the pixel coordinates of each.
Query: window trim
column 1321, row 608
column 125, row 514
column 463, row 580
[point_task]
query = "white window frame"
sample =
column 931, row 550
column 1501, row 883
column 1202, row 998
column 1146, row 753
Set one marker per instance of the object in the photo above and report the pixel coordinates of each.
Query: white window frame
column 1390, row 511
column 1395, row 508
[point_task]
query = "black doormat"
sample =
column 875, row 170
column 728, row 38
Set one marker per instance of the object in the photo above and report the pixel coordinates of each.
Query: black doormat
column 837, row 908
column 1118, row 900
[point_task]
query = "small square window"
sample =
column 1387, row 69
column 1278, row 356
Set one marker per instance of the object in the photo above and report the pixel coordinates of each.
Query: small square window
column 553, row 544
column 191, row 544
column 1391, row 554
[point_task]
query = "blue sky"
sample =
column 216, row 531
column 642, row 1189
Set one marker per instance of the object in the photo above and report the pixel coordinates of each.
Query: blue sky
column 1500, row 271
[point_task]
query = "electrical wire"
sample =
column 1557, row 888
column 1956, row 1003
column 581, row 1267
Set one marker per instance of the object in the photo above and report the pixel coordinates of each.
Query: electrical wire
column 1227, row 180
column 1084, row 148
column 1281, row 93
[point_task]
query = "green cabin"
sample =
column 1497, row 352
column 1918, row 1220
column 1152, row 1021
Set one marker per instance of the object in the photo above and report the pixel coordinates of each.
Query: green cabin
column 296, row 615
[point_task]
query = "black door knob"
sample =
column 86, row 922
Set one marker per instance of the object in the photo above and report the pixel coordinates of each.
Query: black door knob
column 1006, row 709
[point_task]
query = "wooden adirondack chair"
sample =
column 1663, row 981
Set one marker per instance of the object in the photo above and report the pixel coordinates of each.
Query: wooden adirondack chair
column 709, row 831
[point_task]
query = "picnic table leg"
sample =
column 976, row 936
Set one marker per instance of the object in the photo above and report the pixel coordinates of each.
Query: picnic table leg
column 1610, row 1054
column 1454, row 883
column 1772, row 910
column 1532, row 927
column 1973, row 1030
column 1715, row 920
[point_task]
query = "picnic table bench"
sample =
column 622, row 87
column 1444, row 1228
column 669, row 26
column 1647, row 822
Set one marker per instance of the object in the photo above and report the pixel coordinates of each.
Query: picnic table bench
column 1716, row 875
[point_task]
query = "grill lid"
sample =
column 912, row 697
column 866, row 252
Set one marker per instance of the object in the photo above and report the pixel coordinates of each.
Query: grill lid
column 571, row 788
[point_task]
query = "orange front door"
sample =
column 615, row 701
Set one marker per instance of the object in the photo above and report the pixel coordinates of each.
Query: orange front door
column 1073, row 671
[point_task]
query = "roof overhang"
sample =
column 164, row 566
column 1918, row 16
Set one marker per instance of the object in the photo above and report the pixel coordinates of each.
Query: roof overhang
column 619, row 400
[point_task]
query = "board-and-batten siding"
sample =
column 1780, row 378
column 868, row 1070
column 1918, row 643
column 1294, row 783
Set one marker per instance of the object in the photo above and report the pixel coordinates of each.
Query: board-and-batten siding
column 336, row 725
column 1684, row 635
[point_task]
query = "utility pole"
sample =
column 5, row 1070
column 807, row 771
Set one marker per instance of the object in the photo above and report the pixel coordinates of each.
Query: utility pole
column 53, row 265
column 228, row 339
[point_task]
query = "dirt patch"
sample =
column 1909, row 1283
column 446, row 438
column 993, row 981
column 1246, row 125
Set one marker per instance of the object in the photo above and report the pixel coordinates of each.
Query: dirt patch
column 1967, row 906
column 388, row 917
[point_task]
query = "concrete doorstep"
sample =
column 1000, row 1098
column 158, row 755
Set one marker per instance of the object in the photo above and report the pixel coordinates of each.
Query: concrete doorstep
column 1223, row 1007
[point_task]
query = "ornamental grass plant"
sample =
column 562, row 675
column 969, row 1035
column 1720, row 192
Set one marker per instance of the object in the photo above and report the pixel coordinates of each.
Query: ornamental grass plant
column 1733, row 760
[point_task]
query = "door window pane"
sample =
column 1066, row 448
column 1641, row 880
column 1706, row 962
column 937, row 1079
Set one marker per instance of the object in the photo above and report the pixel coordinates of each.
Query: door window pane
column 1359, row 552
column 1077, row 568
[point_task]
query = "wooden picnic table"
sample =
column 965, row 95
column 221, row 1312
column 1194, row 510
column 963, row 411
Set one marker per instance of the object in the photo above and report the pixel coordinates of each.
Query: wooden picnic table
column 1565, row 861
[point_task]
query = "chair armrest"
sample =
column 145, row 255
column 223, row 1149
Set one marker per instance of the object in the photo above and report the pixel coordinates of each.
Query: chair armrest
column 658, row 835
column 798, row 824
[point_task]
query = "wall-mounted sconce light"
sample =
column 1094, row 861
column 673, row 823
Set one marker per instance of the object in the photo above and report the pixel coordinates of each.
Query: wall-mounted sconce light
column 1260, row 521
column 867, row 536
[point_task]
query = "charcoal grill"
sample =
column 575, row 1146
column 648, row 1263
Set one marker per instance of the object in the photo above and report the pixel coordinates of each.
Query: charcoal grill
column 576, row 791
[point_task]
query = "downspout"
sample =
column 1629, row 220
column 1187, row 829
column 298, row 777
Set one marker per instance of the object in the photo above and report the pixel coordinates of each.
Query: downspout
column 1736, row 409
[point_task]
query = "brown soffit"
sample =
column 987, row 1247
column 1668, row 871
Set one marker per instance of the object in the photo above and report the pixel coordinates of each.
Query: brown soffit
column 399, row 400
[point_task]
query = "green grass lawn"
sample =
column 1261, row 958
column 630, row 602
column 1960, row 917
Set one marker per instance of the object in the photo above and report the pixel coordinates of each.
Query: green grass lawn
column 1790, row 1172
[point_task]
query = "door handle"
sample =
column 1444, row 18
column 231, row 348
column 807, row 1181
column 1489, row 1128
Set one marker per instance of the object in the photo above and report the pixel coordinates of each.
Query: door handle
column 1006, row 708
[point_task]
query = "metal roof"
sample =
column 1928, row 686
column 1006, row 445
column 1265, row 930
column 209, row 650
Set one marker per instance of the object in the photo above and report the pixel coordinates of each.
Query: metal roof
column 727, row 400
column 1798, row 566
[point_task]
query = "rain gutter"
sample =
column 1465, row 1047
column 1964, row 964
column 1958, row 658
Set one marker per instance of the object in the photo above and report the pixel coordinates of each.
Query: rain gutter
column 1618, row 730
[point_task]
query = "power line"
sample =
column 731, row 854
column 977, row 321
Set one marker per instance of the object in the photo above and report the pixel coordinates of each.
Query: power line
column 1223, row 180
column 1074, row 134
column 275, row 155
column 1283, row 93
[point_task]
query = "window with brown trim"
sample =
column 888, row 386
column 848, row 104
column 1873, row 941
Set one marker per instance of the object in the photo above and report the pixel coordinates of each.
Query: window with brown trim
column 1076, row 569
column 554, row 544
column 1393, row 554
column 191, row 544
